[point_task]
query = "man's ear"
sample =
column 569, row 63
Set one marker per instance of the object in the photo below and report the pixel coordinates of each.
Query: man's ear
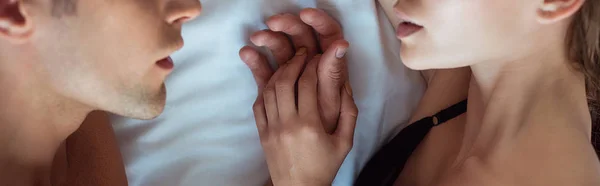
column 551, row 11
column 15, row 24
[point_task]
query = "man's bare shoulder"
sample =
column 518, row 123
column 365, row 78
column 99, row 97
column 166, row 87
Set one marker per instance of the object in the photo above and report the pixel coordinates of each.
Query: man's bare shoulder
column 17, row 175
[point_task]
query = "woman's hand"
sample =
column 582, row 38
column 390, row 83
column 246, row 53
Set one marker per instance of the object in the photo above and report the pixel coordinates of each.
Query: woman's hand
column 298, row 149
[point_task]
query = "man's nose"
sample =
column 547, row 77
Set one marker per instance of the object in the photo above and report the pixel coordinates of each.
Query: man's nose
column 181, row 11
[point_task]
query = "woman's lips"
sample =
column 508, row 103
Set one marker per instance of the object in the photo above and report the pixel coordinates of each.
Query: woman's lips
column 406, row 29
column 165, row 63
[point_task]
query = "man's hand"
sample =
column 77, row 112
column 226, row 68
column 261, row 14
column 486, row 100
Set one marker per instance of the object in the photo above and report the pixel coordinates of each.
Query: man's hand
column 315, row 31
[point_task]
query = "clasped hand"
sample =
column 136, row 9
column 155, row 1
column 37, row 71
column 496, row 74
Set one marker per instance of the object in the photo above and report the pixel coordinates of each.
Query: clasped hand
column 304, row 111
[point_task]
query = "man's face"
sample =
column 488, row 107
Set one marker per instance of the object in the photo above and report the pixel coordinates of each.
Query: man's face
column 110, row 54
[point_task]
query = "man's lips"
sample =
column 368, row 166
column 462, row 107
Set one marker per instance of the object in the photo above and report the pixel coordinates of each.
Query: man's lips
column 165, row 63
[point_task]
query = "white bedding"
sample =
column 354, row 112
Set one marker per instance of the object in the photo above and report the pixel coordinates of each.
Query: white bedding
column 207, row 135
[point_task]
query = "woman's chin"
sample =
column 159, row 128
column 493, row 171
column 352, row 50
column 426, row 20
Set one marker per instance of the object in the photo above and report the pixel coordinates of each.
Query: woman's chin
column 414, row 66
column 417, row 61
column 413, row 62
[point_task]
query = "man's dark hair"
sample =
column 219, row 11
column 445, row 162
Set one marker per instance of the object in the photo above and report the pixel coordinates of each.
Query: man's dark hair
column 64, row 7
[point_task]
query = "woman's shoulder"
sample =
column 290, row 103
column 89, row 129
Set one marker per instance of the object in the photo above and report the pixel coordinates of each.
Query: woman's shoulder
column 537, row 151
column 545, row 143
column 548, row 170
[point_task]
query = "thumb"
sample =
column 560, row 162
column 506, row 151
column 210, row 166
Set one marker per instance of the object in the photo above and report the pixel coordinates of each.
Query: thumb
column 332, row 74
column 347, row 121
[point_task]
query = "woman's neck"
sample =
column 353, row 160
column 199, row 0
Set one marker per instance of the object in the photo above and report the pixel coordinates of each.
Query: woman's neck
column 506, row 97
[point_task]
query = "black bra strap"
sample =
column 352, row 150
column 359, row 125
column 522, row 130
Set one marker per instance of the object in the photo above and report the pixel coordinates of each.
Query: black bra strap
column 449, row 113
column 386, row 165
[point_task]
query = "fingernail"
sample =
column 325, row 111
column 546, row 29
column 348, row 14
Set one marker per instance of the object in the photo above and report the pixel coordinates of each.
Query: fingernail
column 301, row 51
column 340, row 53
column 348, row 88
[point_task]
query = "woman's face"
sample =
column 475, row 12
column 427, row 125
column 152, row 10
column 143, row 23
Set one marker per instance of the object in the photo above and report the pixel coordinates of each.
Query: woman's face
column 456, row 33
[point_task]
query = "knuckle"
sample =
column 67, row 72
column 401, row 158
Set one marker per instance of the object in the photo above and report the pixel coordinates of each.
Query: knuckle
column 289, row 122
column 259, row 69
column 353, row 110
column 280, row 84
column 261, row 77
column 269, row 90
column 352, row 113
column 273, row 42
column 306, row 82
column 258, row 106
column 288, row 134
column 283, row 85
column 308, row 133
column 321, row 25
column 251, row 57
column 261, row 81
column 336, row 72
column 294, row 28
column 299, row 133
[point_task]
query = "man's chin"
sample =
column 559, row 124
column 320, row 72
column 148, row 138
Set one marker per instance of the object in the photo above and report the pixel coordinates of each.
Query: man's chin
column 152, row 113
column 155, row 105
column 148, row 107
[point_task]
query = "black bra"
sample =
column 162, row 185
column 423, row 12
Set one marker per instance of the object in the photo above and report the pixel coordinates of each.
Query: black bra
column 386, row 165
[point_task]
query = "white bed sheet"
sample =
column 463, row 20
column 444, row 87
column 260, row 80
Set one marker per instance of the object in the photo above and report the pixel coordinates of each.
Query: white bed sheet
column 207, row 135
